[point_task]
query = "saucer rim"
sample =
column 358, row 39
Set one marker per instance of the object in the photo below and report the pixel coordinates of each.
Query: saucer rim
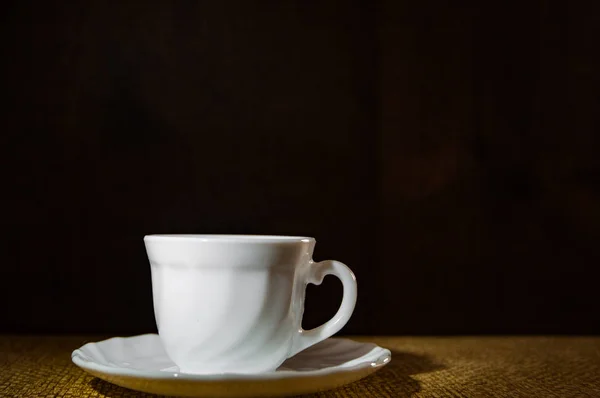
column 374, row 359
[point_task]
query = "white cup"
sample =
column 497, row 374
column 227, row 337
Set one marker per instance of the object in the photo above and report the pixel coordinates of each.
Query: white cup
column 234, row 303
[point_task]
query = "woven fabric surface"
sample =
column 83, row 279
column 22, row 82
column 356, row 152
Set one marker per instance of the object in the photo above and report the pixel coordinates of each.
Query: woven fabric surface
column 39, row 366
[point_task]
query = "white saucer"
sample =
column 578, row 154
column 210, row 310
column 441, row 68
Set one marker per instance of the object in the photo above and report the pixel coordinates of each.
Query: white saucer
column 140, row 363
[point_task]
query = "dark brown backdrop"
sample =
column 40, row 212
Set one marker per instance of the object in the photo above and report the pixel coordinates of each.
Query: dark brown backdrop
column 446, row 152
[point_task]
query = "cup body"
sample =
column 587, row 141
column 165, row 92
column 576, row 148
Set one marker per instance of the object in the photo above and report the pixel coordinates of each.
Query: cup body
column 228, row 303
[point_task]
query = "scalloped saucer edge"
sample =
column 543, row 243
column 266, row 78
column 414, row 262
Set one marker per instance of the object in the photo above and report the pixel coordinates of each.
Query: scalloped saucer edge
column 141, row 363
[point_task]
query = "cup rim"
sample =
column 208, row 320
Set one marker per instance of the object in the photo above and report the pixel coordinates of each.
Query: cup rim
column 229, row 238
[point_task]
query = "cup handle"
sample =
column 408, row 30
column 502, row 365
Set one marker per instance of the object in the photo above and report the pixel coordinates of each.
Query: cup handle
column 316, row 273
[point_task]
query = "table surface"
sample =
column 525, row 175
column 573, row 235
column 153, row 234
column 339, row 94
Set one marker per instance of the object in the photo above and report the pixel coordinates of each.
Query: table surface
column 40, row 366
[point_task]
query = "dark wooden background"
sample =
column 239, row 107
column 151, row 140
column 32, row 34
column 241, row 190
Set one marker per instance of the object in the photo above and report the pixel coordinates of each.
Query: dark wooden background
column 446, row 151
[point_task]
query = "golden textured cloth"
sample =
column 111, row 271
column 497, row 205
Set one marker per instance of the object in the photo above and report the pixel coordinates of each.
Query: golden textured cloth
column 421, row 367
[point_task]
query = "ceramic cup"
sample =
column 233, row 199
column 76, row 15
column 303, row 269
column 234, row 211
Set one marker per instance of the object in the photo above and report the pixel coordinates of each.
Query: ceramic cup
column 234, row 303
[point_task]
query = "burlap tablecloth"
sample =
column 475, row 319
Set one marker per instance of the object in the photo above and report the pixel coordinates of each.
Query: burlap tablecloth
column 40, row 366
